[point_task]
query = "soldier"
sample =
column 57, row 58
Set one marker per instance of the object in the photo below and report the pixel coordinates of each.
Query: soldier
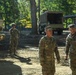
column 71, row 47
column 47, row 47
column 14, row 35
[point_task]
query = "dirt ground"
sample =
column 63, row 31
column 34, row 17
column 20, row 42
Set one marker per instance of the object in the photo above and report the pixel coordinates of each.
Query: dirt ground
column 27, row 63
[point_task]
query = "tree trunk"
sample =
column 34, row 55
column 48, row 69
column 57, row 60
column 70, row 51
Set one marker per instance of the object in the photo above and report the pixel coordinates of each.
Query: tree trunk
column 39, row 10
column 33, row 16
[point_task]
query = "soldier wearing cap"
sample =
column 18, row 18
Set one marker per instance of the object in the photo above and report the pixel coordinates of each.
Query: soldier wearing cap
column 47, row 47
column 14, row 35
column 71, row 47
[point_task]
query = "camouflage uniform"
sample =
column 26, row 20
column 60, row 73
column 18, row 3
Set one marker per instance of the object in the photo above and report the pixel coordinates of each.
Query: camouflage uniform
column 71, row 49
column 14, row 35
column 47, row 47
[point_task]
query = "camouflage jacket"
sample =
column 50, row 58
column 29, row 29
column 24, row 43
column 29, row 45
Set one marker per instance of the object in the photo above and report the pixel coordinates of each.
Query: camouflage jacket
column 47, row 47
column 71, row 44
column 14, row 33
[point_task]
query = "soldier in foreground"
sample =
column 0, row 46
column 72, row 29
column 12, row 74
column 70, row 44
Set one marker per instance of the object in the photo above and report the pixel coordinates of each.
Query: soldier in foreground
column 14, row 35
column 47, row 47
column 71, row 47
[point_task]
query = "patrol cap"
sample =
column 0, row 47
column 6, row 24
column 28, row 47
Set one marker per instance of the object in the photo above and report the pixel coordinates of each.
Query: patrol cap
column 48, row 28
column 72, row 26
column 13, row 24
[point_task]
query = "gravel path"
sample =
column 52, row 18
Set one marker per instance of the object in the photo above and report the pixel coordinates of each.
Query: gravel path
column 27, row 63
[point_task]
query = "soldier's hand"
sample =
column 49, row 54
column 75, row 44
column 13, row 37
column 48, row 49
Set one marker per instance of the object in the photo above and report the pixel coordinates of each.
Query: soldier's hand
column 58, row 61
column 66, row 57
column 42, row 64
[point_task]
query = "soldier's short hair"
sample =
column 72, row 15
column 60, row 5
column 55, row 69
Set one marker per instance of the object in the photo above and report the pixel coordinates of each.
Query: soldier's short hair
column 72, row 26
column 48, row 28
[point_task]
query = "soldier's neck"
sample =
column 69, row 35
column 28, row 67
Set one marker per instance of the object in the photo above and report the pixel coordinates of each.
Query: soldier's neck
column 49, row 36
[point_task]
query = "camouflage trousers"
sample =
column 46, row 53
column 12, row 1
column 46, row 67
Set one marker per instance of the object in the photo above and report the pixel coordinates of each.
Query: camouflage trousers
column 74, row 72
column 48, row 69
column 73, row 64
column 13, row 46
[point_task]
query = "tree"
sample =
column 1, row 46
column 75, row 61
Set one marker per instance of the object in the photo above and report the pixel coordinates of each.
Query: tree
column 33, row 16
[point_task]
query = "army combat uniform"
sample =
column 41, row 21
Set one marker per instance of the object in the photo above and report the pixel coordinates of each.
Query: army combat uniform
column 47, row 47
column 71, row 49
column 14, row 35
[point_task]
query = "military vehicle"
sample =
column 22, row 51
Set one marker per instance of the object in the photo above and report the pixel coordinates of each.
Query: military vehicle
column 1, row 34
column 54, row 19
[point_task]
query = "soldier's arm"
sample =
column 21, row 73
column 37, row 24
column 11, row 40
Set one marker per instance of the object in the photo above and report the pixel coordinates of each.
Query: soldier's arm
column 41, row 51
column 67, row 47
column 18, row 31
column 57, row 54
column 10, row 31
column 56, row 51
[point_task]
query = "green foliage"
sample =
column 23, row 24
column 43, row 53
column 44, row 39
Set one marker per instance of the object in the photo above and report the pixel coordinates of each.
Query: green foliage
column 24, row 9
column 9, row 10
column 67, row 6
column 19, row 10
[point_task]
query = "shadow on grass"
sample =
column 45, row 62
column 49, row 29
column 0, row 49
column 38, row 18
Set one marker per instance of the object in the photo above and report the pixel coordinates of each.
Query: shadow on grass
column 26, row 60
